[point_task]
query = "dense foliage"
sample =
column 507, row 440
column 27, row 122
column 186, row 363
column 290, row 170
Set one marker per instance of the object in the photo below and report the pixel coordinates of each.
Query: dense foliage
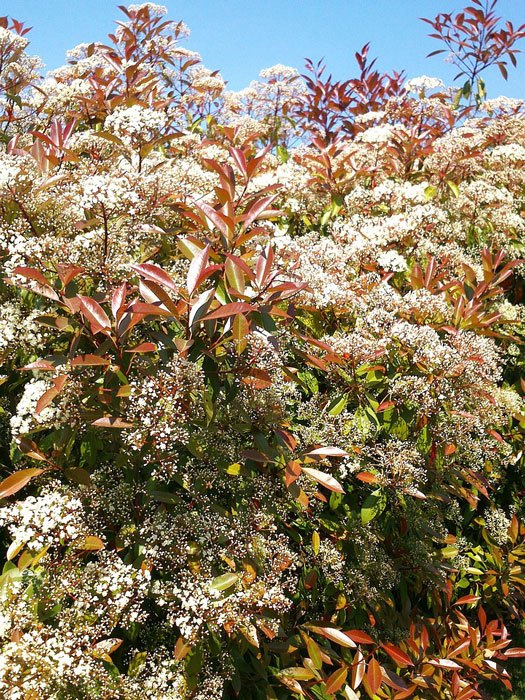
column 262, row 422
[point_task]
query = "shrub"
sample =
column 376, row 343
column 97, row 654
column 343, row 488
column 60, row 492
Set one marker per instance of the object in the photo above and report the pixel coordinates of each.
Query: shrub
column 262, row 421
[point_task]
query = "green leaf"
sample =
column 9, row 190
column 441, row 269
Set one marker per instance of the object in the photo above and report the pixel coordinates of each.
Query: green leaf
column 222, row 583
column 338, row 405
column 373, row 506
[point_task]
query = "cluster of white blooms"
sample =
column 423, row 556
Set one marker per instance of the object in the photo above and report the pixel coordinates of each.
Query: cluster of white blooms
column 423, row 83
column 153, row 8
column 17, row 66
column 109, row 192
column 52, row 518
column 135, row 124
column 503, row 104
column 24, row 419
column 13, row 174
column 391, row 261
column 380, row 134
column 497, row 524
column 162, row 405
column 19, row 329
column 91, row 601
column 111, row 593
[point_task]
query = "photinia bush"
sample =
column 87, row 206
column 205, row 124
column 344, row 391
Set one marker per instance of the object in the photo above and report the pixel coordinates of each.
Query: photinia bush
column 262, row 391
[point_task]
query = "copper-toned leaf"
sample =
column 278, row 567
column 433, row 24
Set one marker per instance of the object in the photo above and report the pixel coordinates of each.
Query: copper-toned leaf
column 31, row 449
column 324, row 479
column 156, row 274
column 335, row 681
column 374, row 675
column 111, row 422
column 367, row 477
column 515, row 653
column 144, row 309
column 260, row 209
column 334, row 635
column 89, row 360
column 95, row 314
column 264, row 265
column 48, row 396
column 118, row 300
column 17, row 481
column 467, row 599
column 401, row 658
column 143, row 347
column 238, row 307
column 42, row 365
column 182, row 649
column 31, row 273
column 196, row 268
column 360, row 637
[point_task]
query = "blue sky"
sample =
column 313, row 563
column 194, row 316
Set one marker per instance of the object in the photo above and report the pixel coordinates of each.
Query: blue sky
column 240, row 37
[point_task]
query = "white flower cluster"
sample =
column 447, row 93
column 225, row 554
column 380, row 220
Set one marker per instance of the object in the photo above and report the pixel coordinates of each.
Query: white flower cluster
column 24, row 420
column 162, row 405
column 53, row 518
column 423, row 83
column 391, row 261
column 135, row 124
column 19, row 328
column 153, row 8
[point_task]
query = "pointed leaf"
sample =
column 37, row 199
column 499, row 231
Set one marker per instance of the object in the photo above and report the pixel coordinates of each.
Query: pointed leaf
column 196, row 268
column 17, row 481
column 374, row 676
column 336, row 681
column 324, row 479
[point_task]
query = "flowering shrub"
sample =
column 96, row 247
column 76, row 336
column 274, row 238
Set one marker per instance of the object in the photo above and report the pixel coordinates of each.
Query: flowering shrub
column 262, row 421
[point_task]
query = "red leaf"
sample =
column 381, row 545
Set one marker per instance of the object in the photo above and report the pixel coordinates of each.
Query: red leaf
column 515, row 653
column 143, row 347
column 264, row 265
column 118, row 300
column 374, row 675
column 17, row 481
column 219, row 220
column 31, row 273
column 95, row 314
column 334, row 635
column 335, row 681
column 50, row 394
column 399, row 656
column 67, row 273
column 324, row 479
column 367, row 477
column 467, row 599
column 111, row 422
column 156, row 274
column 260, row 209
column 360, row 637
column 385, row 406
column 238, row 307
column 43, row 365
column 140, row 307
column 327, row 452
column 196, row 268
column 89, row 360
